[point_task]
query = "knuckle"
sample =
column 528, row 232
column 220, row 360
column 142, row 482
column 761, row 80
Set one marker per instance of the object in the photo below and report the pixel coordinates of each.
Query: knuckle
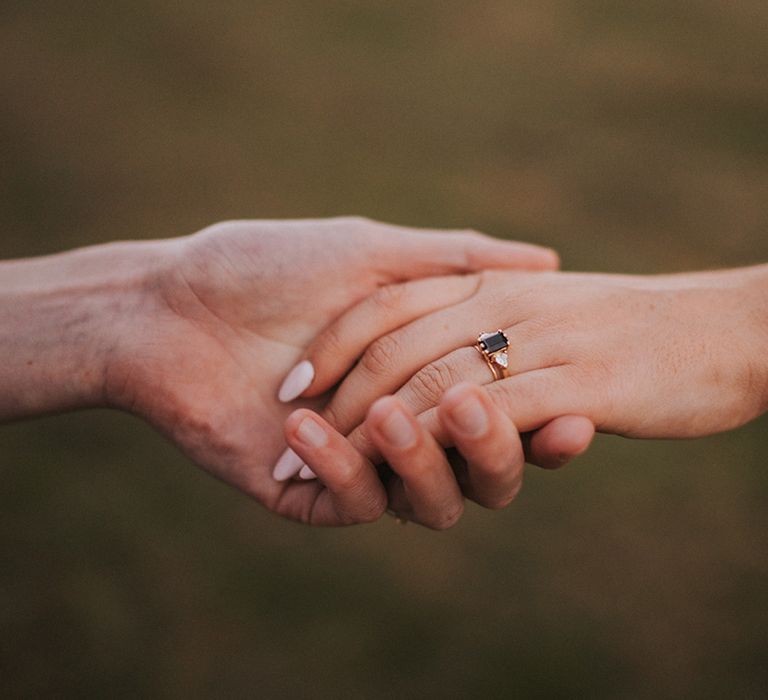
column 333, row 415
column 389, row 297
column 360, row 439
column 330, row 344
column 381, row 355
column 431, row 381
column 470, row 243
column 220, row 227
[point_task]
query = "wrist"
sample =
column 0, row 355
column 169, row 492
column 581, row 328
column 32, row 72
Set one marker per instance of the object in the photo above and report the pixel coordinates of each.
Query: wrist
column 64, row 322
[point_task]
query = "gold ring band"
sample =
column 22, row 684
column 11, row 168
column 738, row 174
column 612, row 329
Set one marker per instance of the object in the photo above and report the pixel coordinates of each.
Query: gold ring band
column 494, row 347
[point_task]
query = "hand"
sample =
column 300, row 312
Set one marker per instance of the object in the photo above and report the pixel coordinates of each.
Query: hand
column 425, row 484
column 669, row 356
column 229, row 310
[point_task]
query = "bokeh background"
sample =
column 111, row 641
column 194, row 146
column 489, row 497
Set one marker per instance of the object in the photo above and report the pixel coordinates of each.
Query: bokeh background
column 632, row 136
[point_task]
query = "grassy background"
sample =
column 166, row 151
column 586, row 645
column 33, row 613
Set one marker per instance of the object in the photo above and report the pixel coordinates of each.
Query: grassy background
column 632, row 136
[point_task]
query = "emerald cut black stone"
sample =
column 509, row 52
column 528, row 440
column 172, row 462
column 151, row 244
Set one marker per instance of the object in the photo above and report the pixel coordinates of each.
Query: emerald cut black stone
column 493, row 342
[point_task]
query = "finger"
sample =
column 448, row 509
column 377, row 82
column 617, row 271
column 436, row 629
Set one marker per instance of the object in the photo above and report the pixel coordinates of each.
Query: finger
column 552, row 446
column 394, row 359
column 530, row 400
column 488, row 441
column 426, row 388
column 416, row 253
column 428, row 481
column 533, row 399
column 391, row 360
column 424, row 252
column 529, row 349
column 558, row 442
column 339, row 346
column 354, row 492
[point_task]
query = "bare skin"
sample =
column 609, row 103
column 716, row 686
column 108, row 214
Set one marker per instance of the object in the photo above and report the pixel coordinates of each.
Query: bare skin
column 674, row 356
column 194, row 335
column 427, row 484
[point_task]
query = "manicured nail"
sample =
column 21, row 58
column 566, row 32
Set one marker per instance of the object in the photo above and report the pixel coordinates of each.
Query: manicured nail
column 470, row 417
column 287, row 466
column 397, row 430
column 311, row 433
column 307, row 474
column 297, row 381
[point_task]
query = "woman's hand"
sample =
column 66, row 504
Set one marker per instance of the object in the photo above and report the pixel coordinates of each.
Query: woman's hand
column 666, row 357
column 225, row 313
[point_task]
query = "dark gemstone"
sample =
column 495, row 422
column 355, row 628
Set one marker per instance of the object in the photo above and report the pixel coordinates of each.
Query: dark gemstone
column 493, row 342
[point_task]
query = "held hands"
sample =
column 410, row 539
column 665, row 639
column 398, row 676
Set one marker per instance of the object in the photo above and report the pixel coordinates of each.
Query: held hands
column 196, row 334
column 425, row 483
column 227, row 312
column 670, row 356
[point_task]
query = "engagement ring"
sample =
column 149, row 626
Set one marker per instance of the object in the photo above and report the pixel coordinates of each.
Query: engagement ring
column 493, row 347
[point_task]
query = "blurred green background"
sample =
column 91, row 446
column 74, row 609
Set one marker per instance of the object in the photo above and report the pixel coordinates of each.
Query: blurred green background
column 632, row 136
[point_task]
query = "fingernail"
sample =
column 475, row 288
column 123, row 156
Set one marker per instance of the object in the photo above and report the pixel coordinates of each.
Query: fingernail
column 287, row 466
column 297, row 381
column 397, row 429
column 311, row 433
column 470, row 417
column 307, row 474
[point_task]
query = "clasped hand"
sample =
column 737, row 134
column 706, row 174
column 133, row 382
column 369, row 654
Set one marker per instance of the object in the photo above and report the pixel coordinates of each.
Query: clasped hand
column 224, row 314
column 396, row 409
column 640, row 357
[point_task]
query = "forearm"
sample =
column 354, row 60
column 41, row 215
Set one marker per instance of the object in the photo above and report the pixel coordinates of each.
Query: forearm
column 62, row 318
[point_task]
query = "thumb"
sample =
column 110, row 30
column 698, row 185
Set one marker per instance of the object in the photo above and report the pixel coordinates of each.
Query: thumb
column 410, row 253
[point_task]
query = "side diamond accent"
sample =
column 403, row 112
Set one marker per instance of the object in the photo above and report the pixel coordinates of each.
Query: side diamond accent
column 502, row 359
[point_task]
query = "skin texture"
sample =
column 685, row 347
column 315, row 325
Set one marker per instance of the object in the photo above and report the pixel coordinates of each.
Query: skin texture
column 676, row 356
column 424, row 483
column 195, row 334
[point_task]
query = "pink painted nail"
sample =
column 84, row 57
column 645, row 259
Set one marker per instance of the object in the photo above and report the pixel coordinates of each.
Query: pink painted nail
column 287, row 466
column 307, row 474
column 297, row 381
